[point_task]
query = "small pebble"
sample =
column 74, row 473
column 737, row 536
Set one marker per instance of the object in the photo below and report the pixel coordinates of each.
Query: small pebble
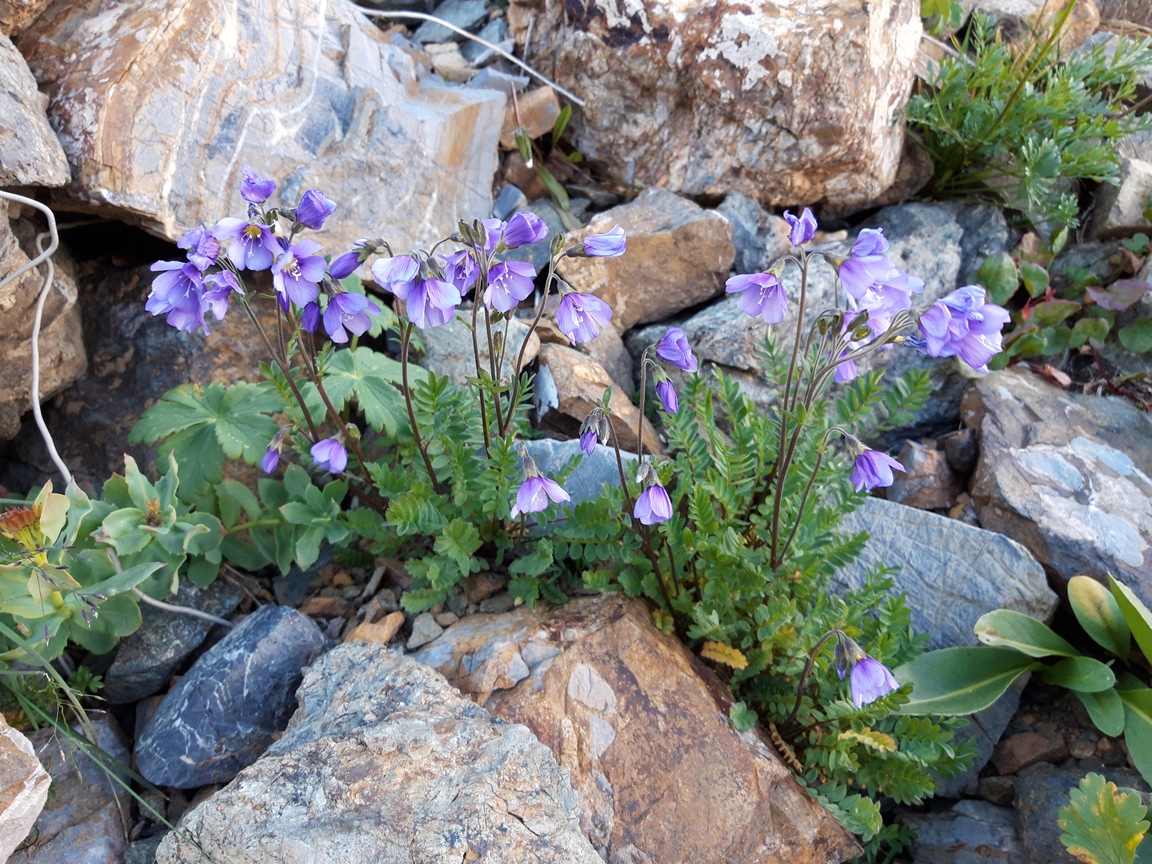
column 498, row 603
column 446, row 619
column 424, row 630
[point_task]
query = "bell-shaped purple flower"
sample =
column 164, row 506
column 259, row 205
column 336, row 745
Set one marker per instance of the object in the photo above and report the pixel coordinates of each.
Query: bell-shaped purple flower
column 873, row 468
column 399, row 269
column 310, row 316
column 870, row 680
column 803, row 227
column 523, row 228
column 963, row 324
column 431, row 302
column 582, row 316
column 674, row 348
column 251, row 245
column 760, row 294
column 299, row 272
column 588, row 440
column 314, row 208
column 653, row 506
column 611, row 244
column 270, row 460
column 219, row 290
column 203, row 248
column 255, row 189
column 348, row 311
column 462, row 271
column 344, row 266
column 535, row 493
column 178, row 292
column 866, row 263
column 508, row 283
column 668, row 397
column 330, row 455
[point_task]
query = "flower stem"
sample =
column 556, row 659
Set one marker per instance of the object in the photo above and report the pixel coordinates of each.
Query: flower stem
column 282, row 364
column 405, row 339
column 803, row 682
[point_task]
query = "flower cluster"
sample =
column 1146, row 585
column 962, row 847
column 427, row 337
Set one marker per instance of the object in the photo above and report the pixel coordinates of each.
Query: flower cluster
column 963, row 324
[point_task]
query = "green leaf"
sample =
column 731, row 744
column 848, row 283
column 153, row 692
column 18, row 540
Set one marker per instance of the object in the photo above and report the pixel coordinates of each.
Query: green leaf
column 535, row 562
column 1101, row 824
column 1010, row 629
column 373, row 380
column 561, row 124
column 961, row 680
column 742, row 717
column 1138, row 729
column 1080, row 674
column 1053, row 312
column 1137, row 336
column 1135, row 613
column 1034, row 277
column 555, row 188
column 1106, row 710
column 1089, row 330
column 459, row 542
column 928, row 8
column 998, row 272
column 1100, row 616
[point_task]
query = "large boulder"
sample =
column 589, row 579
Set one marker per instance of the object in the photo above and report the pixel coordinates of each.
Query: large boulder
column 23, row 788
column 385, row 763
column 799, row 102
column 159, row 106
column 642, row 726
column 30, row 153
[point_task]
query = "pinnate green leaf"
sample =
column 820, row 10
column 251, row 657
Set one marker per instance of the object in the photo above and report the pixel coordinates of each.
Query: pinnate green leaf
column 459, row 542
column 1101, row 824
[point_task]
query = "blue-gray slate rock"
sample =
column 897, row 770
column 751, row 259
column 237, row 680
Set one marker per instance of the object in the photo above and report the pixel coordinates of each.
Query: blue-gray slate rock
column 495, row 32
column 1066, row 474
column 589, row 477
column 146, row 659
column 226, row 711
column 465, row 14
column 971, row 832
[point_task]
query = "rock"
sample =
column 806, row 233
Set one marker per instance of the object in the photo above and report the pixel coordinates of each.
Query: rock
column 932, row 550
column 1020, row 19
column 498, row 603
column 536, row 111
column 448, row 349
column 143, row 851
column 708, row 98
column 759, row 238
column 448, row 62
column 913, row 173
column 927, row 482
column 1120, row 209
column 16, row 15
column 508, row 200
column 1000, row 791
column 643, row 729
column 1027, row 748
column 381, row 633
column 158, row 111
column 1039, row 797
column 82, row 823
column 214, row 722
column 465, row 14
column 62, row 356
column 385, row 763
column 970, row 832
column 960, row 450
column 424, row 630
column 678, row 255
column 570, row 384
column 985, row 729
column 23, row 788
column 30, row 152
column 589, row 477
column 1133, row 11
column 146, row 659
column 494, row 32
column 1067, row 475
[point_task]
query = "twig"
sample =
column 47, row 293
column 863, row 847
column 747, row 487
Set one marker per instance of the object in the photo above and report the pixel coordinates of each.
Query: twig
column 181, row 610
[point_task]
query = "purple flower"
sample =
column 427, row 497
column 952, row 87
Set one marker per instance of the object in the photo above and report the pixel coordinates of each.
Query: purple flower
column 873, row 468
column 430, row 302
column 270, row 461
column 179, row 292
column 220, row 289
column 310, row 317
column 344, row 266
column 588, row 440
column 203, row 248
column 330, row 455
column 668, row 397
column 608, row 245
column 803, row 227
column 251, row 245
column 400, row 269
column 890, row 294
column 866, row 263
column 963, row 324
column 760, row 294
column 314, row 209
column 846, row 371
column 675, row 349
column 535, row 493
column 349, row 311
column 523, row 228
column 581, row 316
column 870, row 680
column 299, row 272
column 462, row 271
column 653, row 505
column 508, row 283
column 255, row 189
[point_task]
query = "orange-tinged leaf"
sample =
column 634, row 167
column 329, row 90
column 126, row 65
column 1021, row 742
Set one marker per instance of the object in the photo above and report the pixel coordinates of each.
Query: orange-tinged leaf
column 718, row 652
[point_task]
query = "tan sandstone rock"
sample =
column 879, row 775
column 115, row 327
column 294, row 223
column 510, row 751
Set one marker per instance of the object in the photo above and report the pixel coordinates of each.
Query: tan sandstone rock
column 160, row 105
column 23, row 788
column 30, row 153
column 793, row 102
column 16, row 15
column 642, row 727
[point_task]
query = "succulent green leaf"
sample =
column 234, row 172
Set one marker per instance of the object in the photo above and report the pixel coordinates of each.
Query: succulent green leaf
column 1011, row 629
column 1035, row 278
column 1106, row 710
column 961, row 680
column 1138, row 729
column 1100, row 616
column 1135, row 613
column 1101, row 824
column 1080, row 674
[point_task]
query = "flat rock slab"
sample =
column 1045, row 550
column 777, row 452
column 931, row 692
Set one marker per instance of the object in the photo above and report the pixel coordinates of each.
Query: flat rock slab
column 1065, row 474
column 23, row 788
column 643, row 729
column 971, row 832
column 159, row 106
column 30, row 152
column 385, row 763
column 225, row 712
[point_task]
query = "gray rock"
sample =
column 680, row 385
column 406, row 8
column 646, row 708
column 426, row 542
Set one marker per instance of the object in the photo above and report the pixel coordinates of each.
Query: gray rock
column 83, row 821
column 758, row 236
column 424, row 630
column 465, row 14
column 143, row 851
column 223, row 714
column 970, row 832
column 497, row 604
column 24, row 788
column 984, row 730
column 501, row 82
column 496, row 32
column 146, row 659
column 1065, row 474
column 30, row 152
column 448, row 349
column 590, row 476
column 508, row 200
column 386, row 763
column 1120, row 209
